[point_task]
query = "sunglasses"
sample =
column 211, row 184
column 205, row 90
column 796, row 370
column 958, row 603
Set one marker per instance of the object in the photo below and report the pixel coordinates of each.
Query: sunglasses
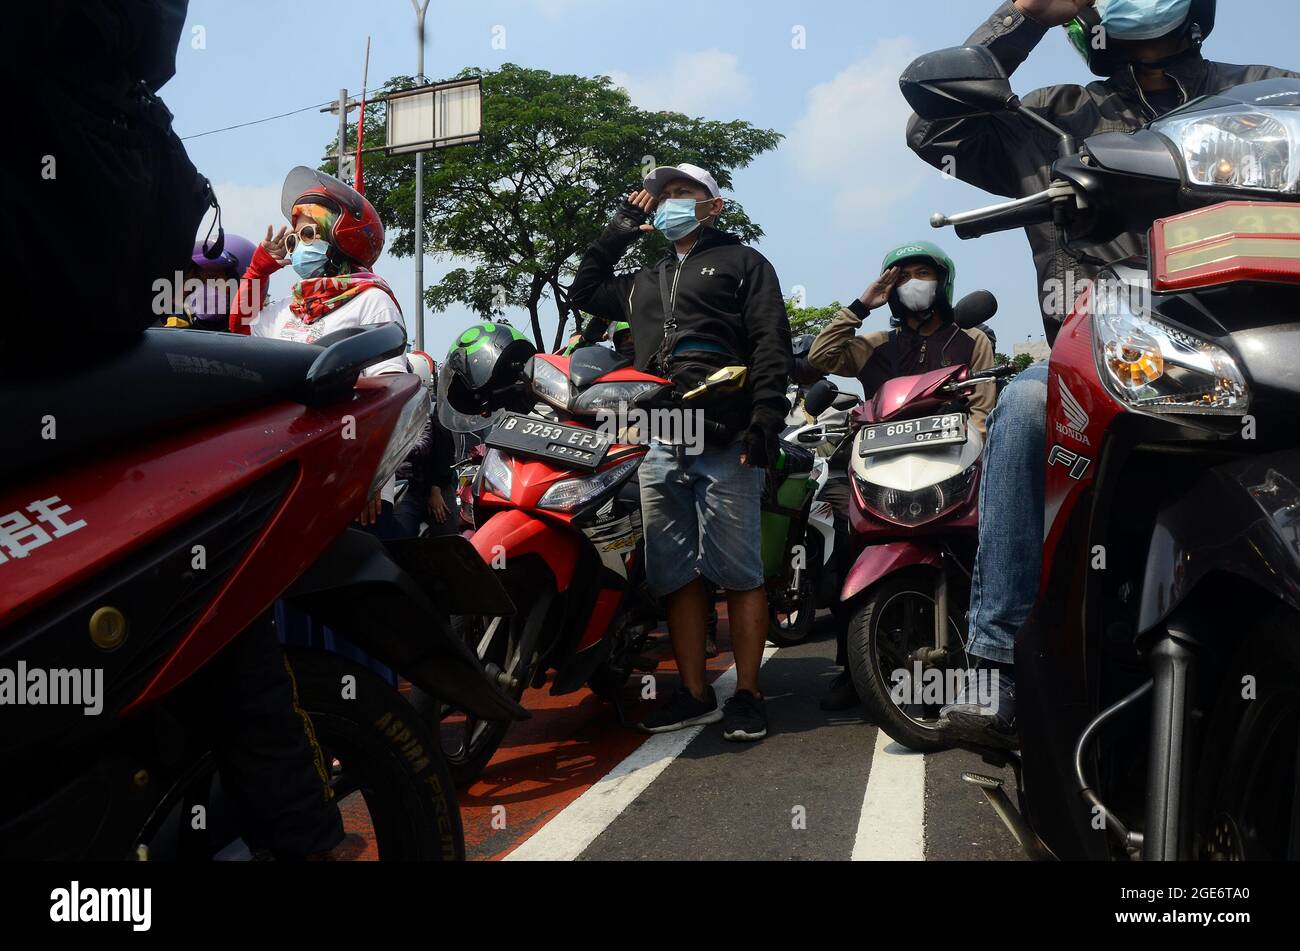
column 306, row 233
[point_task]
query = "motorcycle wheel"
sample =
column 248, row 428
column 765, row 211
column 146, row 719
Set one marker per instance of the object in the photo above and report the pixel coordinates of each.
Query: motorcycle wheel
column 393, row 789
column 791, row 615
column 1249, row 773
column 512, row 649
column 896, row 619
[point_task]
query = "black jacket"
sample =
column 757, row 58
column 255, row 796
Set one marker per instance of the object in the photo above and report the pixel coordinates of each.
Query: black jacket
column 725, row 292
column 429, row 462
column 1005, row 155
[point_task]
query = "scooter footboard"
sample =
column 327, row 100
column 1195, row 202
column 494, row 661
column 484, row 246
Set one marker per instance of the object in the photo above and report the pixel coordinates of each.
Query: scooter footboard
column 356, row 587
column 877, row 561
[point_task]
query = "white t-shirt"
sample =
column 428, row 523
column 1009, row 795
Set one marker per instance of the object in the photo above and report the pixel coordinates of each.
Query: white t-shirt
column 371, row 306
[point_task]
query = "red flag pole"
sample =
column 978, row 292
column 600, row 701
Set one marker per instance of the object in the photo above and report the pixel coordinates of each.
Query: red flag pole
column 358, row 179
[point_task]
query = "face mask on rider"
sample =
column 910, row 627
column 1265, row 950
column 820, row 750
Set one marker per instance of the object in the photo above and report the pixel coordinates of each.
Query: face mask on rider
column 918, row 296
column 675, row 217
column 308, row 258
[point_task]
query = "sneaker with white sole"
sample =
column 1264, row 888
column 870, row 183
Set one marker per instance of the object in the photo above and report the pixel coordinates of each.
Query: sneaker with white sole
column 683, row 710
column 743, row 717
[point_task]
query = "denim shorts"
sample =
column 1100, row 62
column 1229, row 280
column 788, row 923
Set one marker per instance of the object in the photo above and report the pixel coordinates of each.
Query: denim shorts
column 707, row 523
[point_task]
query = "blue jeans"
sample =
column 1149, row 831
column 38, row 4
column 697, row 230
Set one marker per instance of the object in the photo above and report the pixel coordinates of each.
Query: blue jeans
column 701, row 516
column 1005, row 582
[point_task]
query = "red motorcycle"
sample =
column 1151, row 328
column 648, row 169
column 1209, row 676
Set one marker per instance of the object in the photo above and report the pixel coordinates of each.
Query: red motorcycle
column 156, row 504
column 914, row 474
column 1158, row 676
column 557, row 511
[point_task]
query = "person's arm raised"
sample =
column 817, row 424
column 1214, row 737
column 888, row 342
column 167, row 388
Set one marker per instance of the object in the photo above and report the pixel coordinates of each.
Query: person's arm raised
column 990, row 152
column 595, row 289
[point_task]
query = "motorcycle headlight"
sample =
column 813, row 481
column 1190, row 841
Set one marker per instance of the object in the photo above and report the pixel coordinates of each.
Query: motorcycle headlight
column 551, row 384
column 921, row 506
column 613, row 397
column 1148, row 365
column 496, row 473
column 569, row 495
column 1243, row 148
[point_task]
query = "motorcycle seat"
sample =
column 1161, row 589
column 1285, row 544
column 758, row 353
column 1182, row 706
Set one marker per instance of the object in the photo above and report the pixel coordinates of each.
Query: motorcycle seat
column 163, row 380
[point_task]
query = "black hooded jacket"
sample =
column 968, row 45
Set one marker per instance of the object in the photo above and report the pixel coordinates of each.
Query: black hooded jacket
column 723, row 292
column 1005, row 155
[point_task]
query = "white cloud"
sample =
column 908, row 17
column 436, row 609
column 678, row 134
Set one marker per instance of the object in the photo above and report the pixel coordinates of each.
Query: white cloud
column 850, row 139
column 698, row 84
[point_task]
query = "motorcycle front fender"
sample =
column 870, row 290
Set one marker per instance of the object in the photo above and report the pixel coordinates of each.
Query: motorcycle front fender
column 356, row 587
column 514, row 533
column 878, row 561
column 1242, row 518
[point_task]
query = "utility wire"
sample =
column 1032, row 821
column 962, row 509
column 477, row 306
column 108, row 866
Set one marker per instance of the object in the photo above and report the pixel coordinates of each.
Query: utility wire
column 283, row 115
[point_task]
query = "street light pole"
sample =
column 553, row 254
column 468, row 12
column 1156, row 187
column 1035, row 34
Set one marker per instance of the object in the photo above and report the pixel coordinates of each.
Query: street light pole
column 420, row 6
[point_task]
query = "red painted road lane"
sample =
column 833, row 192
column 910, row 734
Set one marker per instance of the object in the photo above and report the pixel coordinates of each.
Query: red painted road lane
column 570, row 743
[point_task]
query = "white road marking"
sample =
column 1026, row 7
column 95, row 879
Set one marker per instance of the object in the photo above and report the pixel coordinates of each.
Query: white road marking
column 566, row 836
column 892, row 824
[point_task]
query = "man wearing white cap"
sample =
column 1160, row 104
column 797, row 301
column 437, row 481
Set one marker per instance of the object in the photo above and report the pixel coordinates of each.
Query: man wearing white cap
column 708, row 303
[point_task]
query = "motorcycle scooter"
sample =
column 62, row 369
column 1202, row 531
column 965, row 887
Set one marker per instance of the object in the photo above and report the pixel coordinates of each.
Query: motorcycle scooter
column 155, row 530
column 1158, row 676
column 914, row 488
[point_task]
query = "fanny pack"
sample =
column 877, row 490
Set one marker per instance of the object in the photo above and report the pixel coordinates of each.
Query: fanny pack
column 689, row 361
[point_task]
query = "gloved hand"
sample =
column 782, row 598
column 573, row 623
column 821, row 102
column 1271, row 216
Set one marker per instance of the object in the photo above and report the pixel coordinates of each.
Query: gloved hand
column 761, row 442
column 629, row 222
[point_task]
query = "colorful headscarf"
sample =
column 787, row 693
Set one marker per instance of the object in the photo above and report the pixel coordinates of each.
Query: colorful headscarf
column 315, row 297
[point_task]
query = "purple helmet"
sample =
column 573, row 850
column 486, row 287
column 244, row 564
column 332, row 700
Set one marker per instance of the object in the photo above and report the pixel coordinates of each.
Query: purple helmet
column 235, row 256
column 211, row 305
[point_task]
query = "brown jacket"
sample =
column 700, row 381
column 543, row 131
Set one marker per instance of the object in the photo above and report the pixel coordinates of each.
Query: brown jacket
column 882, row 355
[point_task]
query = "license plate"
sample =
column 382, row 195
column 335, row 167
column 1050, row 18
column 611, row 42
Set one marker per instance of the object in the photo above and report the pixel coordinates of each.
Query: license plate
column 910, row 433
column 559, row 442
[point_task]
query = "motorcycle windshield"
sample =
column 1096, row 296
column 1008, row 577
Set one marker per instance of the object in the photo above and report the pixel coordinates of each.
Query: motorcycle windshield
column 302, row 179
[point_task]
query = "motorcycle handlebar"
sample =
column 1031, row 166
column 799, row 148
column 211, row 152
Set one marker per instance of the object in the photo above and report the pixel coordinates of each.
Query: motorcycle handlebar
column 1035, row 209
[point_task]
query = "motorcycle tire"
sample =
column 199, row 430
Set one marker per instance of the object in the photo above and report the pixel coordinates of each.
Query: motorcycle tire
column 798, row 624
column 376, row 748
column 866, row 638
column 1248, row 784
column 470, row 755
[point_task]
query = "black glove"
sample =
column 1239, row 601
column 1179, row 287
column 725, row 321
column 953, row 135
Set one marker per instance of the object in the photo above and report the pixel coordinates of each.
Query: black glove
column 626, row 223
column 761, row 442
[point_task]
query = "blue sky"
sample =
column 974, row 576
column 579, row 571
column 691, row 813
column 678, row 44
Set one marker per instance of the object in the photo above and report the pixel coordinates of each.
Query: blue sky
column 841, row 189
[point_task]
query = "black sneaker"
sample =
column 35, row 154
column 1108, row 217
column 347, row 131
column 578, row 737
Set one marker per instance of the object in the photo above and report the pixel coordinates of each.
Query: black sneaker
column 743, row 717
column 683, row 710
column 841, row 695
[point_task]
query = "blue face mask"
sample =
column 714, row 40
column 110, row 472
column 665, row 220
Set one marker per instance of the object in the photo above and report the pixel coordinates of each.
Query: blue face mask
column 308, row 258
column 675, row 217
column 1142, row 19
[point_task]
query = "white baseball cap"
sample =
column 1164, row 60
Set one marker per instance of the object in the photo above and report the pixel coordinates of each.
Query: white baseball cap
column 661, row 176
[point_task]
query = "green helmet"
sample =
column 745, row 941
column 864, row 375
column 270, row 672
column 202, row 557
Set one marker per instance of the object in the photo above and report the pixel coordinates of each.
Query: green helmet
column 924, row 250
column 479, row 369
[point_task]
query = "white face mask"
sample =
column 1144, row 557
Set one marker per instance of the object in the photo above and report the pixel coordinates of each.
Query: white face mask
column 918, row 296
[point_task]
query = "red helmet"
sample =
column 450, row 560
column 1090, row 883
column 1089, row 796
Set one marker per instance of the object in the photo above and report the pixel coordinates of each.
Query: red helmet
column 355, row 231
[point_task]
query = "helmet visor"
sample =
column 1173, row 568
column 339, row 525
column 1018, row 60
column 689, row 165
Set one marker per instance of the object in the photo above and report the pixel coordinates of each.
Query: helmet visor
column 302, row 180
column 460, row 409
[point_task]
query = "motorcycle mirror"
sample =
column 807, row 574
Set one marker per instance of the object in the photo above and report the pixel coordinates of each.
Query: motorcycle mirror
column 819, row 397
column 974, row 309
column 957, row 83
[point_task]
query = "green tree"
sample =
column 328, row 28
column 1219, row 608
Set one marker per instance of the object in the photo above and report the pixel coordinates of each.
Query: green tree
column 809, row 320
column 558, row 153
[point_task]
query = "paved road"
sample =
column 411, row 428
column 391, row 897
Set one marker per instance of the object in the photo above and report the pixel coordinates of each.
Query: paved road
column 575, row 784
